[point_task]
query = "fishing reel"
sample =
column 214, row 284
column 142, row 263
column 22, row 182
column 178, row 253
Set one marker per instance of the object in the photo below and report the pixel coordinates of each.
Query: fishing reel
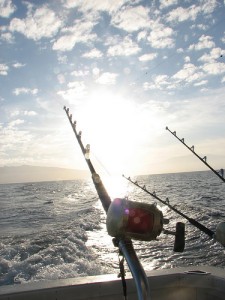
column 140, row 221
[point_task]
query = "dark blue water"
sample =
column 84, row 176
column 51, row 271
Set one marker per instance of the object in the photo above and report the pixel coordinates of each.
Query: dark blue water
column 52, row 230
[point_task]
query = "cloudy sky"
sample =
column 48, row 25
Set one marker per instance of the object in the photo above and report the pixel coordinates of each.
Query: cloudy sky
column 126, row 69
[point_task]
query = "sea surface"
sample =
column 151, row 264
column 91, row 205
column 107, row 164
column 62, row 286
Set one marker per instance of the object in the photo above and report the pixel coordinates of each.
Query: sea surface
column 53, row 230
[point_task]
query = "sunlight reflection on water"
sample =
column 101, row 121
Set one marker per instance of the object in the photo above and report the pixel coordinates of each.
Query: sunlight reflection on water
column 56, row 230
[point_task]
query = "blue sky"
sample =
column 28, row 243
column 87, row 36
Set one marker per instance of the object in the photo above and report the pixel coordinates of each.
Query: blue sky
column 126, row 69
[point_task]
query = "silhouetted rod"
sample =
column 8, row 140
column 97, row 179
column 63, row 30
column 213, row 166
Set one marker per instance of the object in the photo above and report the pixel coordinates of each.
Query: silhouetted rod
column 193, row 151
column 201, row 227
column 102, row 193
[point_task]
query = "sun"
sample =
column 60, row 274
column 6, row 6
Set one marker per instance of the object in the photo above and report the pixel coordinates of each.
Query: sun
column 107, row 123
column 117, row 129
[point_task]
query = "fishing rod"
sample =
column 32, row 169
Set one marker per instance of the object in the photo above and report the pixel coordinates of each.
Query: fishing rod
column 121, row 236
column 219, row 235
column 204, row 159
column 204, row 229
column 103, row 195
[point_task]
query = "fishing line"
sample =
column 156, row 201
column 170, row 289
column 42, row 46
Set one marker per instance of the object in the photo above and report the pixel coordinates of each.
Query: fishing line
column 101, row 163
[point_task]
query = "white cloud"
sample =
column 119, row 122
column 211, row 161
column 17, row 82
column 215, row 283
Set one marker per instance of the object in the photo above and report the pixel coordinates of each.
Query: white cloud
column 95, row 5
column 161, row 36
column 62, row 59
column 187, row 59
column 13, row 139
column 181, row 14
column 61, row 78
column 223, row 38
column 204, row 42
column 201, row 111
column 161, row 79
column 203, row 27
column 25, row 113
column 180, row 50
column 167, row 3
column 147, row 57
column 159, row 82
column 15, row 123
column 30, row 113
column 42, row 23
column 4, row 69
column 215, row 68
column 189, row 73
column 6, row 8
column 94, row 53
column 14, row 113
column 95, row 71
column 107, row 78
column 76, row 84
column 132, row 18
column 7, row 36
column 214, row 54
column 208, row 6
column 125, row 48
column 80, row 32
column 142, row 35
column 76, row 89
column 200, row 83
column 18, row 65
column 112, row 40
column 65, row 43
column 93, row 25
column 23, row 90
column 80, row 73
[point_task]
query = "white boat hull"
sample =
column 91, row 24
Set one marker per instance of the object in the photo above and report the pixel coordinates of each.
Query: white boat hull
column 174, row 284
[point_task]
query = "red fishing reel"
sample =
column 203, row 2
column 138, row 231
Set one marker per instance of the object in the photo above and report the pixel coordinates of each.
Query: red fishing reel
column 139, row 221
column 134, row 220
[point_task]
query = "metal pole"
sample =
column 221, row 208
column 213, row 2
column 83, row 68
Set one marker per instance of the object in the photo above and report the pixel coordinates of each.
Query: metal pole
column 136, row 269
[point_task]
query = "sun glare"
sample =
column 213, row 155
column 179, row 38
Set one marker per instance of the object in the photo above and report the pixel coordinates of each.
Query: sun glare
column 106, row 120
column 116, row 186
column 115, row 128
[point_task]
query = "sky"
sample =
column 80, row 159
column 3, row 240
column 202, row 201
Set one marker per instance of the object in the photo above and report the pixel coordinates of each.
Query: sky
column 126, row 69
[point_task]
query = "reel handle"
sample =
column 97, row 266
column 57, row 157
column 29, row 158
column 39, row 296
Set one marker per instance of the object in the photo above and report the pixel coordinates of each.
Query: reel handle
column 179, row 242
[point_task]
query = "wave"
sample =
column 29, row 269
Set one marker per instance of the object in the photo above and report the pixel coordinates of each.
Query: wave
column 55, row 230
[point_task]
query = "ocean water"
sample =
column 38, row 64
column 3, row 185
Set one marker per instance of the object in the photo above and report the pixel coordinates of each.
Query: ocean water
column 53, row 230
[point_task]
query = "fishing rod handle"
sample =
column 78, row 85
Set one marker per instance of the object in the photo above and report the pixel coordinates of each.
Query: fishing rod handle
column 137, row 271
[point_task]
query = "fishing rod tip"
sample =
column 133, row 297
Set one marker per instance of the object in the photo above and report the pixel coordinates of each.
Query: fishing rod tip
column 167, row 128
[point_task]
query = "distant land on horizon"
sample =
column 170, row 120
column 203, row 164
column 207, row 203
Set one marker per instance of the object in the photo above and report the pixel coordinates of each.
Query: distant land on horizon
column 27, row 173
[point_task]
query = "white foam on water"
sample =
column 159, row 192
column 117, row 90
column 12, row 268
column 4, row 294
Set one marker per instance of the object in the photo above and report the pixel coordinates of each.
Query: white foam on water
column 57, row 229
